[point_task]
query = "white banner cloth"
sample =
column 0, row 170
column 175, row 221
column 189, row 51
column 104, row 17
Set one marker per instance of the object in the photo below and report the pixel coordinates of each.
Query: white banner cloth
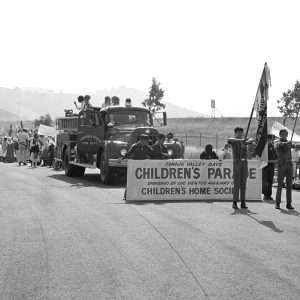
column 47, row 130
column 188, row 179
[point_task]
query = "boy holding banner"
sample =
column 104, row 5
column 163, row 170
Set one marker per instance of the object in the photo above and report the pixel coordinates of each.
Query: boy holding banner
column 240, row 167
column 285, row 169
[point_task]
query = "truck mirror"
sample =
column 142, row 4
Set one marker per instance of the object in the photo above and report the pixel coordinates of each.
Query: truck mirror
column 165, row 118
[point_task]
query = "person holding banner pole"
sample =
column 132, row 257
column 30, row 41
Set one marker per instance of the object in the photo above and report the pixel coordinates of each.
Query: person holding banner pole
column 161, row 151
column 285, row 169
column 240, row 167
column 268, row 171
column 139, row 151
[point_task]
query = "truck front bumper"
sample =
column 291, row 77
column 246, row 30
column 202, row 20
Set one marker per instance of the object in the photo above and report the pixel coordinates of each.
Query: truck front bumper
column 112, row 162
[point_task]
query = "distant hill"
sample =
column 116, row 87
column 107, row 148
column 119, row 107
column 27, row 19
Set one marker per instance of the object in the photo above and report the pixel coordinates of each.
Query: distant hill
column 31, row 103
column 8, row 116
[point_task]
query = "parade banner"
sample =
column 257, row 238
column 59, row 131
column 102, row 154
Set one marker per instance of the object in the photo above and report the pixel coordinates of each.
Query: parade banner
column 188, row 179
column 46, row 130
column 260, row 105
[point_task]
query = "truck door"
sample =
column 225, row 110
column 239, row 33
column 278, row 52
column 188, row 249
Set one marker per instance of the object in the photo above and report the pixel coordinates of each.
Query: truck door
column 91, row 132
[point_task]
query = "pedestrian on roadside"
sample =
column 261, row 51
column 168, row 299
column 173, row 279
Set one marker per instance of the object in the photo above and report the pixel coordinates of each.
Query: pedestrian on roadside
column 161, row 151
column 295, row 159
column 240, row 167
column 208, row 153
column 1, row 150
column 268, row 171
column 34, row 150
column 226, row 152
column 10, row 151
column 51, row 149
column 285, row 169
column 4, row 147
column 22, row 146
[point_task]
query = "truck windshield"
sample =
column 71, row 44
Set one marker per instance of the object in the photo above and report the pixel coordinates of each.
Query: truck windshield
column 89, row 119
column 132, row 117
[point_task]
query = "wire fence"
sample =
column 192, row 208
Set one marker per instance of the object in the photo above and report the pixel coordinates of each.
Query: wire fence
column 195, row 144
column 200, row 140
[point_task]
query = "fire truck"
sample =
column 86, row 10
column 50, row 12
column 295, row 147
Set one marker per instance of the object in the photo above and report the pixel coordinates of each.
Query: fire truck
column 97, row 138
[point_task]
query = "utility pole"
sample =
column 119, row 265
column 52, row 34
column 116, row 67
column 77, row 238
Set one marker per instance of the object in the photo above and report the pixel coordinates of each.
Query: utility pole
column 213, row 108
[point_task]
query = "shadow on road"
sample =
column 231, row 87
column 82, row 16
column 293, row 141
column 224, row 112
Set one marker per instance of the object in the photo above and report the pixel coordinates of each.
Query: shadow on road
column 270, row 201
column 251, row 214
column 290, row 212
column 268, row 224
column 246, row 212
column 87, row 180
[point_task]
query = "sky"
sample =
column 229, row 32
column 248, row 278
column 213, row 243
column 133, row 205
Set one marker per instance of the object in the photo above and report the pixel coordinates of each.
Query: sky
column 198, row 50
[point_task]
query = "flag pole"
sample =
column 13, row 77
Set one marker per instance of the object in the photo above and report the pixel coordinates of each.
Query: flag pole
column 251, row 115
column 298, row 107
column 249, row 122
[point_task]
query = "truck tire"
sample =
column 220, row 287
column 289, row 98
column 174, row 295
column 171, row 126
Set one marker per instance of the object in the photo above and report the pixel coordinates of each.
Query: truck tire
column 70, row 170
column 79, row 171
column 105, row 171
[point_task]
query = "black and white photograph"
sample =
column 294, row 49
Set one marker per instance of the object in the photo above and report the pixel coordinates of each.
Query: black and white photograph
column 149, row 150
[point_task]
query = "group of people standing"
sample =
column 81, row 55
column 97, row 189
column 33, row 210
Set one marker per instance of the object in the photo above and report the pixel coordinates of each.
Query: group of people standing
column 142, row 150
column 280, row 153
column 26, row 146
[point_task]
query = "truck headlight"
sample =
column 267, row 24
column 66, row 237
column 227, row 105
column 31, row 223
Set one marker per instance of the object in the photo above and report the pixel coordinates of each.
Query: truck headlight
column 170, row 152
column 123, row 152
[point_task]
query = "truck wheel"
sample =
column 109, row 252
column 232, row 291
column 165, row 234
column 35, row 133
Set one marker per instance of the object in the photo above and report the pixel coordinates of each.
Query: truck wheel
column 79, row 171
column 69, row 169
column 105, row 172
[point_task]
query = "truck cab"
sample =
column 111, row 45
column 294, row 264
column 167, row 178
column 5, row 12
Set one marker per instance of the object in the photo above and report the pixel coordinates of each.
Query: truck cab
column 98, row 137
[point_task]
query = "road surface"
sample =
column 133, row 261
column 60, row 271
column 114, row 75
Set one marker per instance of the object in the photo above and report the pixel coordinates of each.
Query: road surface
column 67, row 238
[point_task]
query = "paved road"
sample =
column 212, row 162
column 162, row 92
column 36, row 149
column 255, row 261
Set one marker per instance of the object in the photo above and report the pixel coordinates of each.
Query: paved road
column 65, row 238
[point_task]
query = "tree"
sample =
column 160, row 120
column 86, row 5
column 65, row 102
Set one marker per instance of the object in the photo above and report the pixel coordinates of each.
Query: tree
column 286, row 104
column 45, row 120
column 156, row 93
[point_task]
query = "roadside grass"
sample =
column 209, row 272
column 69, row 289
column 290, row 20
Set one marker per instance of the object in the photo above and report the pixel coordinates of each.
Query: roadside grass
column 197, row 132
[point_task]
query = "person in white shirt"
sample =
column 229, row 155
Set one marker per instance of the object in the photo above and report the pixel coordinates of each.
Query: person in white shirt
column 23, row 139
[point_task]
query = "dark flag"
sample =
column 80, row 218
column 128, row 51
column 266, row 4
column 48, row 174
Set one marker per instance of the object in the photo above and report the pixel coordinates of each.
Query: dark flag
column 260, row 106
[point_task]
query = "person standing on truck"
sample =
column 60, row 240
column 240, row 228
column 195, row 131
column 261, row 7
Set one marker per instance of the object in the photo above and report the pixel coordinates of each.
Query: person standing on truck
column 86, row 102
column 160, row 148
column 285, row 168
column 80, row 100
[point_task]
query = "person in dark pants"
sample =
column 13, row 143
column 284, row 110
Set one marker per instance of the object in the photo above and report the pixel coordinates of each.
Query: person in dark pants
column 139, row 151
column 285, row 168
column 268, row 171
column 208, row 153
column 240, row 167
column 160, row 150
